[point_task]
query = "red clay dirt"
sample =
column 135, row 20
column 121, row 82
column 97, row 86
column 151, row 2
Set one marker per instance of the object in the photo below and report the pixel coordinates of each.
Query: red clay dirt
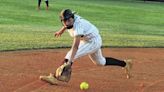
column 20, row 71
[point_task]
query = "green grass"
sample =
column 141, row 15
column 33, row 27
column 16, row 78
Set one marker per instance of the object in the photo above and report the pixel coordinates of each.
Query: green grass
column 122, row 23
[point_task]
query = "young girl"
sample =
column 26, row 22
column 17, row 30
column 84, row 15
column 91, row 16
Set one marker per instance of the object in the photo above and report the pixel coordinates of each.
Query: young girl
column 86, row 41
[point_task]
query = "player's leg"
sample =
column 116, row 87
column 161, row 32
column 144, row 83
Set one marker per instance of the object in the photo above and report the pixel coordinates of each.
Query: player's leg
column 85, row 48
column 126, row 64
column 39, row 2
column 113, row 61
column 47, row 4
column 98, row 59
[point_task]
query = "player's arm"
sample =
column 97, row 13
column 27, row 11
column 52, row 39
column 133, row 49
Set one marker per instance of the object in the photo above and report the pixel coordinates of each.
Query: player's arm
column 60, row 32
column 75, row 46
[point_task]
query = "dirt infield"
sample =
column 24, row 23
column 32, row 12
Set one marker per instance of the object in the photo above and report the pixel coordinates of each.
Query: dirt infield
column 20, row 71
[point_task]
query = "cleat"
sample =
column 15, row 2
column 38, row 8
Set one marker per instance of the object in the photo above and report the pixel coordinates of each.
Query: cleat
column 128, row 68
column 49, row 79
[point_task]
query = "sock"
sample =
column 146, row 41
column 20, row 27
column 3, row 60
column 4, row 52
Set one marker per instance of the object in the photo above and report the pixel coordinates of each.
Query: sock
column 113, row 61
column 46, row 3
column 39, row 2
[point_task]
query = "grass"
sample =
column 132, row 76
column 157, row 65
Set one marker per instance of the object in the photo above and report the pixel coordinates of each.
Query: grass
column 122, row 23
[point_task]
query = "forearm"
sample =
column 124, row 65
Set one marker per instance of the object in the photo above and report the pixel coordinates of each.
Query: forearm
column 60, row 32
column 75, row 47
column 62, row 29
column 73, row 53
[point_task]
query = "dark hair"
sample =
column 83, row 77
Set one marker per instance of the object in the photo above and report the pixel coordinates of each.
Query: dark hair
column 66, row 14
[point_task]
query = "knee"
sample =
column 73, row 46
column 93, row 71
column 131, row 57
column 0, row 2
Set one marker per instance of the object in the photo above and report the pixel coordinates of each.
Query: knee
column 100, row 63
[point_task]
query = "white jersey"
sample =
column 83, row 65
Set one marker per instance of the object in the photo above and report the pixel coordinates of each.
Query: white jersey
column 90, row 43
column 84, row 28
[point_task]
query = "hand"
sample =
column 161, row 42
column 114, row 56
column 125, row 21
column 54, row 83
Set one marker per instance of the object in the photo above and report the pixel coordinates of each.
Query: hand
column 63, row 72
column 58, row 34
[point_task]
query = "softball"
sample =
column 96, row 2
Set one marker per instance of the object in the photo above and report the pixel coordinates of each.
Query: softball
column 84, row 86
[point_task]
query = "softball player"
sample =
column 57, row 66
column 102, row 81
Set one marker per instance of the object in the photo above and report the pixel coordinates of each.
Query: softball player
column 86, row 41
column 39, row 2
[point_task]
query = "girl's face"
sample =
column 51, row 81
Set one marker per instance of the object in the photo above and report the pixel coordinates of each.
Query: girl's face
column 68, row 23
